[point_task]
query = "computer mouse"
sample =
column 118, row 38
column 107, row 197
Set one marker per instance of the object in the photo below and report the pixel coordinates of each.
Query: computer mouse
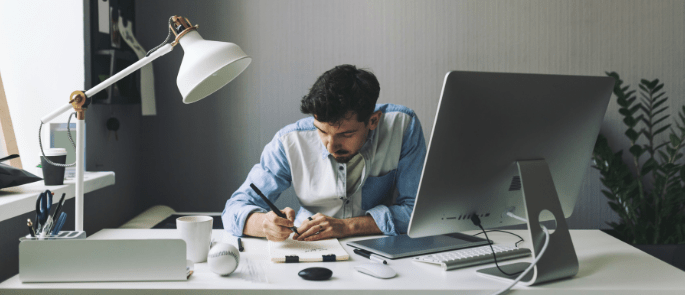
column 316, row 273
column 376, row 270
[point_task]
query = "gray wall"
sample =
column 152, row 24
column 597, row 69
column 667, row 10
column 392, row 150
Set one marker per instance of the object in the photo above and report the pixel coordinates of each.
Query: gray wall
column 195, row 156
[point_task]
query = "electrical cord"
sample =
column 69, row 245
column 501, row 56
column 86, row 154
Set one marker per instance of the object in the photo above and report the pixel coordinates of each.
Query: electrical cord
column 166, row 40
column 40, row 143
column 476, row 221
column 542, row 251
column 503, row 231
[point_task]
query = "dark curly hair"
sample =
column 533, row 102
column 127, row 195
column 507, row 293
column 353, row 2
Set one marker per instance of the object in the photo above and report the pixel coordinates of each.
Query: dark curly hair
column 340, row 90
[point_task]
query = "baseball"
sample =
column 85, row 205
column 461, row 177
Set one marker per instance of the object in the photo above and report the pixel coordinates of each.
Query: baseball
column 223, row 259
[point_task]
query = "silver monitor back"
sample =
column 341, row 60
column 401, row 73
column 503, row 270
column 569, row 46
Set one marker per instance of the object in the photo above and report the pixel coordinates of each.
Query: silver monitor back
column 485, row 123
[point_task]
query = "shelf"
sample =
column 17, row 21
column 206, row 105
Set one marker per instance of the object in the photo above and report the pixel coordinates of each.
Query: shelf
column 15, row 201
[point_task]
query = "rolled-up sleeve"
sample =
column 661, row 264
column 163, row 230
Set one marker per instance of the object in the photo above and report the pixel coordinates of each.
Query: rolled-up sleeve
column 272, row 176
column 394, row 219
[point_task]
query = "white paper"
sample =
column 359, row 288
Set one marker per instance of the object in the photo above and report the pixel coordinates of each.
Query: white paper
column 103, row 16
column 147, row 78
column 306, row 251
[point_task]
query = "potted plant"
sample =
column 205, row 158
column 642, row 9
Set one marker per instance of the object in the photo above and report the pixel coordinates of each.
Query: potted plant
column 650, row 200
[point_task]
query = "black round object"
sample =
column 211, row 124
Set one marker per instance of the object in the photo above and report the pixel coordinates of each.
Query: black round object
column 113, row 124
column 315, row 273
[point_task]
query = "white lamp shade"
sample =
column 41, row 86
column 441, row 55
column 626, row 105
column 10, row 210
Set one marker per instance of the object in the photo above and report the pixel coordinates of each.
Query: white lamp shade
column 207, row 66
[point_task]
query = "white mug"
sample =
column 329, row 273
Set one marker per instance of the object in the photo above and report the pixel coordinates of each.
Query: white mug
column 196, row 231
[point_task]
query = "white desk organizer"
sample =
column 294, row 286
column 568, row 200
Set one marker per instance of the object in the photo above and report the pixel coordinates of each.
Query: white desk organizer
column 71, row 257
column 60, row 235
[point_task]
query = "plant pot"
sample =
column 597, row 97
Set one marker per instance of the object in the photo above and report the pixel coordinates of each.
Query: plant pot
column 673, row 254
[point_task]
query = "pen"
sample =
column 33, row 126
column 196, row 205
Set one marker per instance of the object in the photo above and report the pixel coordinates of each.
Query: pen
column 59, row 207
column 30, row 224
column 370, row 255
column 55, row 214
column 59, row 223
column 273, row 207
column 240, row 245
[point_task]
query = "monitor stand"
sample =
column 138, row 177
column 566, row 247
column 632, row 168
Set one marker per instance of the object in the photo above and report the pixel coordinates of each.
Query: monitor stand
column 539, row 195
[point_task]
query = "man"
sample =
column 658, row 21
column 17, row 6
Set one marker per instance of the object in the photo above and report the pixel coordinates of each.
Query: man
column 344, row 163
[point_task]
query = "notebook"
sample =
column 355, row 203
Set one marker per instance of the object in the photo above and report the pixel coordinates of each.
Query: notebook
column 300, row 251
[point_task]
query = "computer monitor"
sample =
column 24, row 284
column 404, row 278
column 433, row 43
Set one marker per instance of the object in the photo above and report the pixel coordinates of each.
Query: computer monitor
column 506, row 142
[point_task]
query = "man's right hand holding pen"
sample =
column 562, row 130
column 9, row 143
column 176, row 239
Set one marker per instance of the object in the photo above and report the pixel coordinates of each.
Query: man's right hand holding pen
column 276, row 225
column 273, row 227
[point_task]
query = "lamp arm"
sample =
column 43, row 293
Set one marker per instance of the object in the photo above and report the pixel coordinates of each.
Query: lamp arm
column 80, row 99
column 113, row 79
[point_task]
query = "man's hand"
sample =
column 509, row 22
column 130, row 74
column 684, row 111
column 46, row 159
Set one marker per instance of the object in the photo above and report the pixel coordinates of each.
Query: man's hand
column 272, row 227
column 322, row 227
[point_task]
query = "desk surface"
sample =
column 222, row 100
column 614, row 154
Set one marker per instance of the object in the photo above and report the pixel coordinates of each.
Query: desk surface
column 607, row 266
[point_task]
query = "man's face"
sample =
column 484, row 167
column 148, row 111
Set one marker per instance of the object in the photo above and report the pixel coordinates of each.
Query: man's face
column 344, row 139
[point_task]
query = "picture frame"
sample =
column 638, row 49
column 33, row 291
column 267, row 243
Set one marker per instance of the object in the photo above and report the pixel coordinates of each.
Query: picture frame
column 8, row 140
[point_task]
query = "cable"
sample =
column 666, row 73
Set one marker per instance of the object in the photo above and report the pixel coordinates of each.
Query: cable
column 503, row 231
column 542, row 251
column 512, row 215
column 476, row 221
column 40, row 143
column 166, row 40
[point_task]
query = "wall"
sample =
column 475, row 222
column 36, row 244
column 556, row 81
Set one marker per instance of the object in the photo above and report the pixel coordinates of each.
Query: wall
column 42, row 62
column 199, row 154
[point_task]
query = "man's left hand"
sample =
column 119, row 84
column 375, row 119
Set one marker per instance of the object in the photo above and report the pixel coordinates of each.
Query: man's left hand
column 321, row 227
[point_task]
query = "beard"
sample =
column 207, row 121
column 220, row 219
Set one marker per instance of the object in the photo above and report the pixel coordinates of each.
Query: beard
column 346, row 157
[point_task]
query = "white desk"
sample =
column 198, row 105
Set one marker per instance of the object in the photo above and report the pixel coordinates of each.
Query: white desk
column 607, row 266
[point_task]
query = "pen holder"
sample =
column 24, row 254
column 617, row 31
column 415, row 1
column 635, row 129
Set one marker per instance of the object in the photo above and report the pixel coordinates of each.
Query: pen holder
column 58, row 236
column 70, row 257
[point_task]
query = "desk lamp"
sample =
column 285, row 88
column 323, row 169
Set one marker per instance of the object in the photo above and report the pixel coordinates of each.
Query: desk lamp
column 206, row 67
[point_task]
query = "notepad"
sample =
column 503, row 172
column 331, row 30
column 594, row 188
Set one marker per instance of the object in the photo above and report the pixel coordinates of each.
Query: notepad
column 300, row 251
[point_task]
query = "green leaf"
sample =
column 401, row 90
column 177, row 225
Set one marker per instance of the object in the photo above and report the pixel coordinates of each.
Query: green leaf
column 632, row 135
column 630, row 121
column 647, row 134
column 662, row 129
column 644, row 120
column 616, row 207
column 664, row 156
column 630, row 99
column 659, row 95
column 659, row 111
column 660, row 120
column 636, row 150
column 658, row 103
column 657, row 88
column 649, row 165
column 675, row 141
column 625, row 112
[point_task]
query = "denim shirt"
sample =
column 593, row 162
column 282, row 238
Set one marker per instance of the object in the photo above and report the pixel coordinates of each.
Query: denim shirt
column 393, row 156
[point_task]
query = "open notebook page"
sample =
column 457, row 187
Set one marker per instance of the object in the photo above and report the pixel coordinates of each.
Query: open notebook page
column 306, row 251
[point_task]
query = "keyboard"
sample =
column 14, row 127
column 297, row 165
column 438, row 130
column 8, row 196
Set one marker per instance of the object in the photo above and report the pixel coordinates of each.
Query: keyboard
column 472, row 256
